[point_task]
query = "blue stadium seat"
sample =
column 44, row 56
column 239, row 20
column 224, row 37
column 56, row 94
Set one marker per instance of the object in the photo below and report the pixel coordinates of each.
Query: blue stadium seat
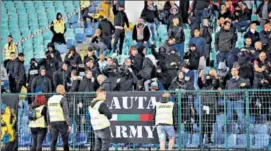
column 242, row 140
column 231, row 142
column 195, row 141
column 261, row 141
column 47, row 140
column 73, row 19
column 218, row 139
column 89, row 31
column 70, row 42
column 80, row 37
column 81, row 139
column 25, row 139
column 232, row 128
column 59, row 141
column 261, row 129
column 220, row 118
column 61, row 48
column 183, row 139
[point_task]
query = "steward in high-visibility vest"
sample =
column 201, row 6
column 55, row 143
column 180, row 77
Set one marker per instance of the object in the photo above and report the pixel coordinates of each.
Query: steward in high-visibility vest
column 99, row 117
column 165, row 119
column 58, row 29
column 40, row 120
column 55, row 109
column 59, row 120
column 164, row 113
column 99, row 121
column 9, row 48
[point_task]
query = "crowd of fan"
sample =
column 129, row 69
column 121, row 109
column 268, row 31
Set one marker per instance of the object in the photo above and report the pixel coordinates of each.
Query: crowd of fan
column 173, row 68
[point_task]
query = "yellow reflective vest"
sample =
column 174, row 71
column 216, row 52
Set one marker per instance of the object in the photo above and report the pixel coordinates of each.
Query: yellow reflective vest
column 40, row 121
column 98, row 121
column 59, row 26
column 84, row 4
column 9, row 49
column 55, row 110
column 164, row 113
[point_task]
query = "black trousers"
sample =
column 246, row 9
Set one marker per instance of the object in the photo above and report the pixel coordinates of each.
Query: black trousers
column 38, row 135
column 62, row 128
column 85, row 15
column 119, row 36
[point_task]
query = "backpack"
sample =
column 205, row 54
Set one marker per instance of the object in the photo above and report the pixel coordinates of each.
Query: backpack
column 32, row 115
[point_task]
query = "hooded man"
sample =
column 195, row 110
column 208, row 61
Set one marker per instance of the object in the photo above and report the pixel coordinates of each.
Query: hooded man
column 73, row 57
column 55, row 53
column 41, row 83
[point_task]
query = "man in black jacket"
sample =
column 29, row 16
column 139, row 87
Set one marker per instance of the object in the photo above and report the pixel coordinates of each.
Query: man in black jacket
column 105, row 83
column 177, row 31
column 90, row 65
column 150, row 15
column 52, row 50
column 265, row 36
column 73, row 57
column 75, row 80
column 141, row 34
column 252, row 32
column 62, row 75
column 108, row 30
column 127, row 79
column 32, row 73
column 10, row 71
column 88, row 83
column 41, row 83
column 51, row 63
column 120, row 19
column 136, row 58
column 206, row 33
column 235, row 100
column 172, row 62
column 19, row 72
column 224, row 42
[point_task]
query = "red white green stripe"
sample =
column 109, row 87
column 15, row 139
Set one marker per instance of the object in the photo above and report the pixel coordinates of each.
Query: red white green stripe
column 132, row 117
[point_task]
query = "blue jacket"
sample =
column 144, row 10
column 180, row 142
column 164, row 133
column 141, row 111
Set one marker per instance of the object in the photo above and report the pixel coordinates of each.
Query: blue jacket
column 200, row 44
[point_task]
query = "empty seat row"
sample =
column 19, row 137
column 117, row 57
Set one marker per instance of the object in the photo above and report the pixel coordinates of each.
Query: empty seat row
column 258, row 141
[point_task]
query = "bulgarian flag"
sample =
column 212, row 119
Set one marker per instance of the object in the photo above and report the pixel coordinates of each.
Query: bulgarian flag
column 132, row 117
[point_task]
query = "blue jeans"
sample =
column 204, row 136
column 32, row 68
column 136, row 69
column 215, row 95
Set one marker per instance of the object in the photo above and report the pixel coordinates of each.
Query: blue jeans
column 196, row 78
column 152, row 28
column 138, row 44
column 221, row 57
column 165, row 130
column 238, row 107
column 242, row 24
column 197, row 105
column 180, row 49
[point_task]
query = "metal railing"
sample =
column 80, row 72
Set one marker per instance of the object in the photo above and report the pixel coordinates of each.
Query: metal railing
column 230, row 119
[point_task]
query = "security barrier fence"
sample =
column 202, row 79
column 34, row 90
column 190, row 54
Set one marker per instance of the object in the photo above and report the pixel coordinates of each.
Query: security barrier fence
column 237, row 119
